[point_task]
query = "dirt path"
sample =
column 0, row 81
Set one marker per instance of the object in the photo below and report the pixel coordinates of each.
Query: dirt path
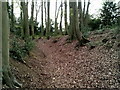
column 64, row 67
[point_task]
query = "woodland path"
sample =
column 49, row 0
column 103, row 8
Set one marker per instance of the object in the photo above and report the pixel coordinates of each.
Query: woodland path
column 55, row 63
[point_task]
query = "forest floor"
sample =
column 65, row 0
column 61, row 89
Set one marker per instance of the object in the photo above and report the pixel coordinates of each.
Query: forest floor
column 55, row 63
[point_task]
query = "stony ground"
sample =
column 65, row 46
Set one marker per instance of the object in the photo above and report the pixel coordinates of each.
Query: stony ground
column 54, row 63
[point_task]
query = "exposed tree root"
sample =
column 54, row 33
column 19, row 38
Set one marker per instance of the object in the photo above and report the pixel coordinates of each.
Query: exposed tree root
column 82, row 42
column 10, row 80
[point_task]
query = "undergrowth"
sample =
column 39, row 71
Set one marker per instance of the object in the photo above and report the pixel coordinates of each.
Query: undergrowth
column 20, row 48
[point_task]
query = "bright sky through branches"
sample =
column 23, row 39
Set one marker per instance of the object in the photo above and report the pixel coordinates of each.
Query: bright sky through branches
column 94, row 9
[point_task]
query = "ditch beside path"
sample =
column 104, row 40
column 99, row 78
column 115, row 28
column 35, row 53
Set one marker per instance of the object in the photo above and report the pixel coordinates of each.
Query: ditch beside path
column 55, row 63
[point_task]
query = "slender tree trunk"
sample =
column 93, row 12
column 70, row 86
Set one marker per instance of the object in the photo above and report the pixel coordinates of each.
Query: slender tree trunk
column 61, row 17
column 56, row 26
column 71, row 27
column 21, row 15
column 32, row 21
column 48, row 19
column 66, row 24
column 84, row 10
column 8, row 77
column 45, row 11
column 0, row 45
column 86, row 15
column 80, row 15
column 45, row 17
column 42, row 27
column 12, row 16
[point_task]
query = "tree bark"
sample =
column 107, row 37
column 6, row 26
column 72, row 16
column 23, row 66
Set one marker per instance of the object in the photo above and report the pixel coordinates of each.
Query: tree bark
column 71, row 27
column 86, row 15
column 48, row 19
column 32, row 21
column 0, row 45
column 25, row 19
column 66, row 24
column 42, row 27
column 84, row 10
column 56, row 26
column 8, row 77
column 45, row 17
column 78, row 34
column 12, row 16
column 80, row 15
column 61, row 18
column 21, row 15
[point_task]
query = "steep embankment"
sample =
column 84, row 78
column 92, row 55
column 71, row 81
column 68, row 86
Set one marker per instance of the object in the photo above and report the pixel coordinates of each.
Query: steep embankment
column 56, row 63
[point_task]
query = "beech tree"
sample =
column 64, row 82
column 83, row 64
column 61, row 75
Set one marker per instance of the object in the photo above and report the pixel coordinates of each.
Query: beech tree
column 42, row 27
column 48, row 19
column 77, row 32
column 56, row 26
column 71, row 27
column 32, row 18
column 66, row 24
column 0, row 45
column 25, row 19
column 7, row 77
column 57, row 10
column 12, row 16
column 78, row 20
column 61, row 16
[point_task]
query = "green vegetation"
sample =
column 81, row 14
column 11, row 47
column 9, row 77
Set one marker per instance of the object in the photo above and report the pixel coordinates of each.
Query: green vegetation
column 20, row 48
column 26, row 29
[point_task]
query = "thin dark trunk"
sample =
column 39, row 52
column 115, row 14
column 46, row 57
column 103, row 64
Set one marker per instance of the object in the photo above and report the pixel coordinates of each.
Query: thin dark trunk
column 56, row 27
column 32, row 21
column 71, row 27
column 66, row 24
column 12, row 16
column 86, row 15
column 42, row 27
column 61, row 17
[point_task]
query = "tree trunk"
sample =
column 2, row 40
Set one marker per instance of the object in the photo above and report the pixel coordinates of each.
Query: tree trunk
column 61, row 18
column 12, row 16
column 75, row 25
column 86, row 15
column 84, row 10
column 48, row 19
column 21, row 15
column 0, row 45
column 66, row 24
column 8, row 78
column 25, row 19
column 78, row 34
column 32, row 21
column 56, row 26
column 71, row 31
column 45, row 17
column 80, row 15
column 42, row 27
